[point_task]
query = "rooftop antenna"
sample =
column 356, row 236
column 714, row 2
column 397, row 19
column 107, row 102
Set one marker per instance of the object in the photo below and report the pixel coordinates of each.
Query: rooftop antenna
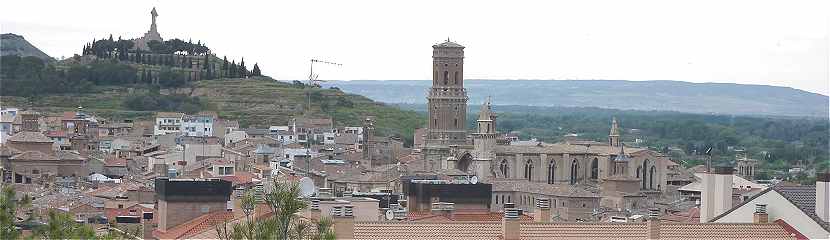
column 312, row 77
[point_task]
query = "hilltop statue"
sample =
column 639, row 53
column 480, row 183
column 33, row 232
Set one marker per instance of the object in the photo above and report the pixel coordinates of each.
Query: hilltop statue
column 152, row 35
column 154, row 14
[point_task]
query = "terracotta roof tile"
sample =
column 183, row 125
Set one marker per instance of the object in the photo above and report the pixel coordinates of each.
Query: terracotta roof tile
column 195, row 226
column 491, row 230
column 30, row 137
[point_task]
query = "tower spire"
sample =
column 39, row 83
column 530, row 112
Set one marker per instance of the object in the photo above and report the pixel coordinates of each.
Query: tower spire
column 614, row 135
column 615, row 128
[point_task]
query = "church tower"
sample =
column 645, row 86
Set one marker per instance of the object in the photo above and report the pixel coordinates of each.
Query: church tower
column 614, row 136
column 484, row 140
column 447, row 103
column 447, row 100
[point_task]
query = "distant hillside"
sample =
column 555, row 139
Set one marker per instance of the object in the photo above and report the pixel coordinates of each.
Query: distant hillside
column 721, row 98
column 13, row 44
column 254, row 102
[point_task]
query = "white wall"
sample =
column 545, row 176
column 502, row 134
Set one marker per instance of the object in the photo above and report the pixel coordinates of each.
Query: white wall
column 778, row 208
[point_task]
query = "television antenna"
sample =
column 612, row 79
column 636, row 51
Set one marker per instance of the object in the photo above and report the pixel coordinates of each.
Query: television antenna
column 313, row 78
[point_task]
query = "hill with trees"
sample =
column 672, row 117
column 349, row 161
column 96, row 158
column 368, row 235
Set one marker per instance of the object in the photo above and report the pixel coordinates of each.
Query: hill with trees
column 13, row 44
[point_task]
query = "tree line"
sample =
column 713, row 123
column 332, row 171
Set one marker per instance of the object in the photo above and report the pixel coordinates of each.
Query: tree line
column 779, row 143
column 173, row 53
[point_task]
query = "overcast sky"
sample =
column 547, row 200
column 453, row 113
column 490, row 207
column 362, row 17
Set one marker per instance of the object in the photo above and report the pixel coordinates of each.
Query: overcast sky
column 782, row 43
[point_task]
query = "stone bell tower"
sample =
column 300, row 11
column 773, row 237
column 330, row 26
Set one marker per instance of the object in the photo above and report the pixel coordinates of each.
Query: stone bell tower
column 446, row 103
column 447, row 100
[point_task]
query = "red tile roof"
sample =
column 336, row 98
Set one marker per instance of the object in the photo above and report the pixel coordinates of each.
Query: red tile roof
column 195, row 226
column 547, row 231
column 461, row 216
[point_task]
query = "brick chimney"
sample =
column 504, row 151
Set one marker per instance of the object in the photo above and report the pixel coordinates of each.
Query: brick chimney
column 653, row 223
column 543, row 210
column 716, row 197
column 343, row 221
column 760, row 215
column 823, row 196
column 181, row 200
column 511, row 229
column 314, row 209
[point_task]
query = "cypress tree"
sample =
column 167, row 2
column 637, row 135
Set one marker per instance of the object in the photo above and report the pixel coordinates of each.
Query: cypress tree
column 233, row 69
column 256, row 71
column 242, row 71
column 225, row 67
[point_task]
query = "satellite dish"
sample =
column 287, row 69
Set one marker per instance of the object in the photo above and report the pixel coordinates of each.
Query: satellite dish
column 307, row 188
column 390, row 214
column 474, row 180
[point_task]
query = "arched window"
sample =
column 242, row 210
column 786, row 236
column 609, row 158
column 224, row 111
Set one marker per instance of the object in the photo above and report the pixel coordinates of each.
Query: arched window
column 651, row 177
column 529, row 170
column 446, row 77
column 455, row 78
column 435, row 123
column 508, row 199
column 645, row 176
column 455, row 122
column 504, row 168
column 435, row 82
column 552, row 172
column 639, row 169
column 574, row 171
column 594, row 168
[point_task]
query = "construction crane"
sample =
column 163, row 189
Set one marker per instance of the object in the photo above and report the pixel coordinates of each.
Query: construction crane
column 312, row 77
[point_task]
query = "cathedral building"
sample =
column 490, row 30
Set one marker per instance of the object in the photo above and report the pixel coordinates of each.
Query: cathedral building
column 619, row 177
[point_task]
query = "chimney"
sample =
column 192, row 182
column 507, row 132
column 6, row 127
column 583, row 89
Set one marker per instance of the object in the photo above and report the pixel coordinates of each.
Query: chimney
column 716, row 197
column 823, row 196
column 511, row 229
column 760, row 215
column 653, row 223
column 314, row 210
column 343, row 221
column 543, row 210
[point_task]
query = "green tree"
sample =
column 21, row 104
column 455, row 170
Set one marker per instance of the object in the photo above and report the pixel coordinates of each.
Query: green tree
column 285, row 202
column 225, row 67
column 243, row 72
column 9, row 205
column 256, row 71
column 61, row 226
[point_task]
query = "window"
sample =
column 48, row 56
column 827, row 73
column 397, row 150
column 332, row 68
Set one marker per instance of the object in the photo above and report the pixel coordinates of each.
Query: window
column 446, row 77
column 574, row 171
column 594, row 168
column 645, row 176
column 455, row 122
column 505, row 169
column 552, row 172
column 651, row 173
column 529, row 170
column 35, row 171
column 455, row 81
